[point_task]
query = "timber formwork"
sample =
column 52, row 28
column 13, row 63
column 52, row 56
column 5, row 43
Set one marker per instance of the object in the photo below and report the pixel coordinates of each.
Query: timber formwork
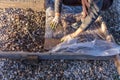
column 51, row 56
column 34, row 4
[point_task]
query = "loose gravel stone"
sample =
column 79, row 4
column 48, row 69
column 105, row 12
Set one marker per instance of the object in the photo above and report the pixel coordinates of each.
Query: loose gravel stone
column 21, row 30
column 57, row 70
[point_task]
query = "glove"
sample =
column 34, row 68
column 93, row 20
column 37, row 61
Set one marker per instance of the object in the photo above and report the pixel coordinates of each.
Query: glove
column 55, row 22
column 66, row 38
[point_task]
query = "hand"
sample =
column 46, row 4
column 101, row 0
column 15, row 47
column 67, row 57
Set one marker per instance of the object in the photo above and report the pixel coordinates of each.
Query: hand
column 84, row 14
column 66, row 38
column 55, row 22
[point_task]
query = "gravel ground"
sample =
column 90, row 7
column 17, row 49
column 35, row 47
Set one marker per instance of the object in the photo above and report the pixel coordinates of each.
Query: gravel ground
column 21, row 29
column 58, row 70
column 63, row 69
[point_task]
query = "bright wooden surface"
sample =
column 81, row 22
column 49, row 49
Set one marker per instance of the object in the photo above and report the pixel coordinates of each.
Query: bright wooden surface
column 34, row 4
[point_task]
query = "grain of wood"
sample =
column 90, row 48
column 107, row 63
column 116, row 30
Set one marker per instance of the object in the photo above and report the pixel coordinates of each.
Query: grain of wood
column 33, row 4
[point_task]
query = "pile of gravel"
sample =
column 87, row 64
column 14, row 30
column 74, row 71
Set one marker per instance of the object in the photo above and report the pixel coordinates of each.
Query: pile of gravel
column 21, row 30
column 58, row 70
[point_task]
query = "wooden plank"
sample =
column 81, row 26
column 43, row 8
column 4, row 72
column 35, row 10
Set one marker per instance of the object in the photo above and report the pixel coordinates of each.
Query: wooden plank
column 34, row 4
column 51, row 56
